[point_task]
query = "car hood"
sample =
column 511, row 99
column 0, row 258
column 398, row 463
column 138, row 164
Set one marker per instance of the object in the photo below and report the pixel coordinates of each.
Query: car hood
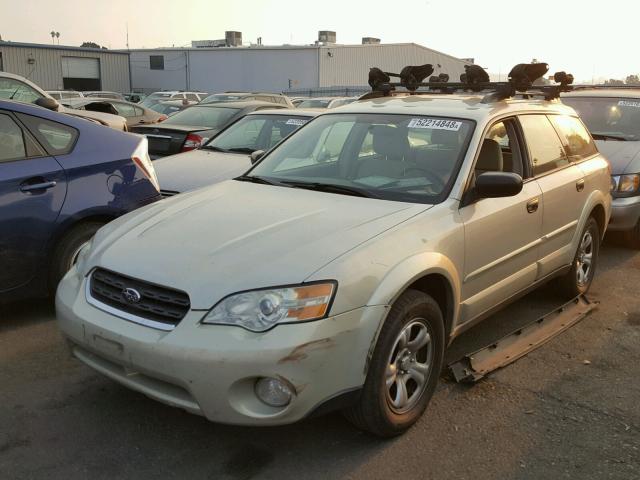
column 198, row 168
column 237, row 236
column 623, row 156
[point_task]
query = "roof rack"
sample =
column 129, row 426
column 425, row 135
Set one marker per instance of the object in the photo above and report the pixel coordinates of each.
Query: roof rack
column 475, row 79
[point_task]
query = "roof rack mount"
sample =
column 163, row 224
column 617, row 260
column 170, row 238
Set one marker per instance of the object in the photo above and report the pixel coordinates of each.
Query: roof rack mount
column 520, row 81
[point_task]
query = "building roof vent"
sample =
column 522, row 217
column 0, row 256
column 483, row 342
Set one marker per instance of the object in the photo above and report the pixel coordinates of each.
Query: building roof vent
column 326, row 36
column 234, row 39
column 370, row 41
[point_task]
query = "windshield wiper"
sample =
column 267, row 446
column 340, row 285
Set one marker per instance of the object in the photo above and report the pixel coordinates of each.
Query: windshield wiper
column 257, row 179
column 214, row 148
column 606, row 136
column 241, row 150
column 332, row 188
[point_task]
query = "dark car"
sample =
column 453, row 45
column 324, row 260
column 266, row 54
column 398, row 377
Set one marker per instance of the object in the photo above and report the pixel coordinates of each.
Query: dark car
column 192, row 127
column 61, row 179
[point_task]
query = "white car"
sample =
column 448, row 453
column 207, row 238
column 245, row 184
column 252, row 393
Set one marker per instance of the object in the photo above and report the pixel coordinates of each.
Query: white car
column 335, row 272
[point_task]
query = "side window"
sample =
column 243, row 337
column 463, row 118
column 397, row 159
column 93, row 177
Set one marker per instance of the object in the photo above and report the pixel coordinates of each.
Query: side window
column 578, row 142
column 11, row 89
column 124, row 109
column 139, row 111
column 546, row 152
column 58, row 139
column 12, row 142
column 192, row 96
column 501, row 150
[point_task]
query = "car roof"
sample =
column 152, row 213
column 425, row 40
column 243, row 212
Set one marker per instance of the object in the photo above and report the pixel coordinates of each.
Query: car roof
column 237, row 104
column 625, row 92
column 303, row 112
column 468, row 106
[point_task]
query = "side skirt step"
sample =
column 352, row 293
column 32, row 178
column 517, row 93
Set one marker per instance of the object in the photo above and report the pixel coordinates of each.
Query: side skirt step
column 511, row 347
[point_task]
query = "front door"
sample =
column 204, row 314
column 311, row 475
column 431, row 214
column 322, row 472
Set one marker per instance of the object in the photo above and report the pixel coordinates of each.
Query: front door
column 502, row 235
column 32, row 191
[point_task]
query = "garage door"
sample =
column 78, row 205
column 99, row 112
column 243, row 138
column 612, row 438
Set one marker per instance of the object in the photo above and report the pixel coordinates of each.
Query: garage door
column 80, row 73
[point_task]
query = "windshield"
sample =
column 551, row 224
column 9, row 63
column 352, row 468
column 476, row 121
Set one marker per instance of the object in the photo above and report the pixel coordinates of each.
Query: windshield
column 212, row 117
column 219, row 97
column 164, row 108
column 394, row 157
column 256, row 132
column 313, row 104
column 617, row 117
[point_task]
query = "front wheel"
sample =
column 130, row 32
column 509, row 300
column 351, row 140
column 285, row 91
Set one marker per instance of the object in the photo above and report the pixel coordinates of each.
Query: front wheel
column 404, row 370
column 67, row 249
column 578, row 280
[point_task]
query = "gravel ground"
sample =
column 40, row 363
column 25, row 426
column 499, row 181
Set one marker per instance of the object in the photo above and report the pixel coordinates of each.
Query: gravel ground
column 567, row 410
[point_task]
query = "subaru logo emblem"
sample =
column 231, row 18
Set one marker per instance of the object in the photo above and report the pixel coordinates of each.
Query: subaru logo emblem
column 131, row 295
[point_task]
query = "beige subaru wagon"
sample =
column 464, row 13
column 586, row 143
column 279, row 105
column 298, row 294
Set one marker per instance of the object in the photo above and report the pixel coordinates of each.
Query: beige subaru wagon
column 335, row 272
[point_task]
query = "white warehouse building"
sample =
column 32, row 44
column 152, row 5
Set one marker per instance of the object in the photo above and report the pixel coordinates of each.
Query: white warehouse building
column 277, row 68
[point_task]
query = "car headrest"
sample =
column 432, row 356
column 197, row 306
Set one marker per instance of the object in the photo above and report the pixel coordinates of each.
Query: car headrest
column 490, row 158
column 448, row 138
column 390, row 142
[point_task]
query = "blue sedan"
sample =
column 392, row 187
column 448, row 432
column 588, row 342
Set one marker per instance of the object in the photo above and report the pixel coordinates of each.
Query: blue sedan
column 61, row 179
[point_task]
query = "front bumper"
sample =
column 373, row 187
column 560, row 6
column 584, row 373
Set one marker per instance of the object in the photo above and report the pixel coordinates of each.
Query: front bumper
column 211, row 370
column 625, row 213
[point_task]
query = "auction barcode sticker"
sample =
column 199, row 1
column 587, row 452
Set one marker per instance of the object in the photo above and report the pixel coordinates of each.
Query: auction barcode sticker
column 435, row 124
column 628, row 103
column 296, row 121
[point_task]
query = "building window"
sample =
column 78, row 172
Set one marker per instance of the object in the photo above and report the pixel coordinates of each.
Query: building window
column 156, row 62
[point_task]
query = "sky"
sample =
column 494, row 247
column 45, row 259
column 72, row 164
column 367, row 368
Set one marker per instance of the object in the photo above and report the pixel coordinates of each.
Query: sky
column 592, row 40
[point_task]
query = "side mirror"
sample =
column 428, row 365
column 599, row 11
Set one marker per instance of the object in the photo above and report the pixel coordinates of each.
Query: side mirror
column 48, row 103
column 257, row 155
column 498, row 184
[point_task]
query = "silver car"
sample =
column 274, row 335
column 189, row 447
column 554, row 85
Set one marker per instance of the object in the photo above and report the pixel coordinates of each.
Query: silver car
column 336, row 271
column 231, row 152
column 613, row 117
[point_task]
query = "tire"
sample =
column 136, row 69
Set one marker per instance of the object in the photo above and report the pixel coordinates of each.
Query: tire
column 66, row 251
column 570, row 284
column 380, row 409
column 632, row 237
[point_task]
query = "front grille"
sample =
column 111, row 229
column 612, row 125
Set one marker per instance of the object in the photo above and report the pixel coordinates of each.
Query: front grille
column 168, row 193
column 158, row 304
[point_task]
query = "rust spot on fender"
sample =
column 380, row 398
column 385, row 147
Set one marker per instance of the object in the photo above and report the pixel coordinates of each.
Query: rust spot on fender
column 300, row 352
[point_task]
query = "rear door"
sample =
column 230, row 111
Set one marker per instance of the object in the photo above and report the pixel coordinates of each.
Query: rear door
column 32, row 192
column 563, row 193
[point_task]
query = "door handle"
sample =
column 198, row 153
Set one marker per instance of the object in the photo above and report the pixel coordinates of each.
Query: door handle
column 580, row 185
column 532, row 205
column 37, row 186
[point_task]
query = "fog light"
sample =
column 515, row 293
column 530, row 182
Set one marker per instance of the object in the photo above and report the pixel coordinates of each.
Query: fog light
column 274, row 392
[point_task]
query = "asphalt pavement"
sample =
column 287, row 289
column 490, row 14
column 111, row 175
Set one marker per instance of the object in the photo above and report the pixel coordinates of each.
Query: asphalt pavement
column 571, row 409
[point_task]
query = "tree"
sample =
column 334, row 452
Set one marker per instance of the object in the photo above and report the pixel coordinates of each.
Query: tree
column 613, row 82
column 92, row 45
column 632, row 80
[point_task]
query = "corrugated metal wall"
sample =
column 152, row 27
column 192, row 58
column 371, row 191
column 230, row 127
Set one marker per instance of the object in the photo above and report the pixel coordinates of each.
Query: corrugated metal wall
column 215, row 70
column 349, row 64
column 46, row 68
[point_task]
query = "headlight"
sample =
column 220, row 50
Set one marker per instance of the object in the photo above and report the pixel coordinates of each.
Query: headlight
column 260, row 310
column 625, row 185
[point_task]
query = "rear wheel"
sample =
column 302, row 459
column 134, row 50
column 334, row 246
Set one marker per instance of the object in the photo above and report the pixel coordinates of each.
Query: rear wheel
column 578, row 280
column 65, row 254
column 404, row 369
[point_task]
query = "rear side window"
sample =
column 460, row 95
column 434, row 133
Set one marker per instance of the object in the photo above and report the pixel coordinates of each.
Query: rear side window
column 578, row 142
column 546, row 151
column 12, row 143
column 192, row 96
column 125, row 110
column 57, row 139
